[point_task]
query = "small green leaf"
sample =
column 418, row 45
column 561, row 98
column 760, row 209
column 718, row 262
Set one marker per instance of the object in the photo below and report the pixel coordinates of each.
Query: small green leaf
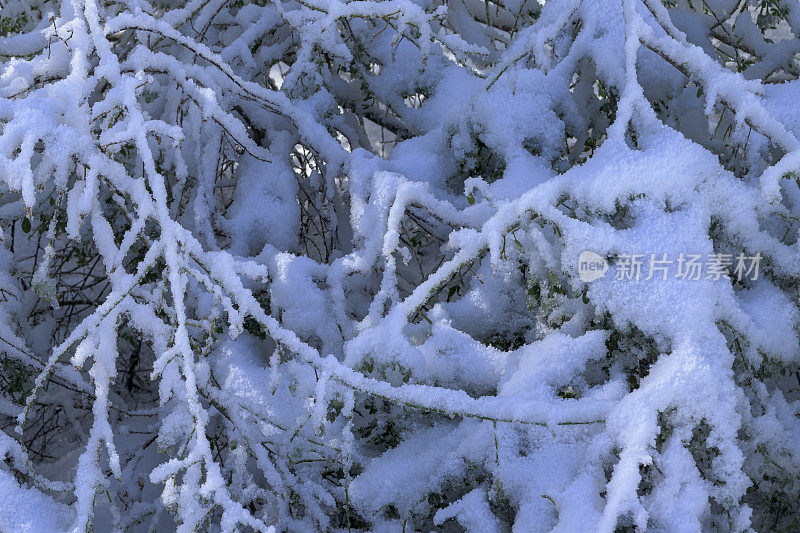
column 471, row 198
column 423, row 315
column 26, row 225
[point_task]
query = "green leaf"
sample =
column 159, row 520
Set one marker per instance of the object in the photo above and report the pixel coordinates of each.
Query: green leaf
column 471, row 198
column 26, row 225
column 423, row 315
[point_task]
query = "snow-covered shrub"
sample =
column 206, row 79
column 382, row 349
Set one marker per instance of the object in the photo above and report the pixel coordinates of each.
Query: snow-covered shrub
column 318, row 265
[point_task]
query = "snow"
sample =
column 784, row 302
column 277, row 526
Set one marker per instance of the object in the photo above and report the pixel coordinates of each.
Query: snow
column 28, row 510
column 314, row 265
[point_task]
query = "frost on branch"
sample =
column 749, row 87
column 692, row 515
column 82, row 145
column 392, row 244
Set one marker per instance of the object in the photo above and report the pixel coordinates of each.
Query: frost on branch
column 313, row 265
